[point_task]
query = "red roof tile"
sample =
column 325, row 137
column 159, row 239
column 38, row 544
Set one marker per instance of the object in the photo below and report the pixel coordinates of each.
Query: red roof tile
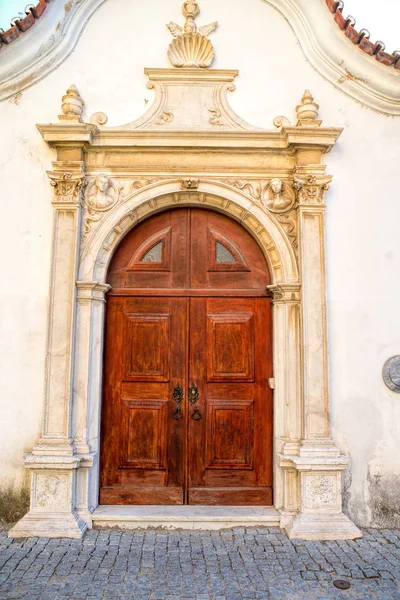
column 361, row 39
column 18, row 26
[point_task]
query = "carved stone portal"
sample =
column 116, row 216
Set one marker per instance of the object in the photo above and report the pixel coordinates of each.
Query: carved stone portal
column 199, row 152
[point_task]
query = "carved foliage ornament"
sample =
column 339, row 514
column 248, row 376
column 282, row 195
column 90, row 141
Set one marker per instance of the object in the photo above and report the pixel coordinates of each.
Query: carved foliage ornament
column 191, row 46
column 310, row 189
column 67, row 185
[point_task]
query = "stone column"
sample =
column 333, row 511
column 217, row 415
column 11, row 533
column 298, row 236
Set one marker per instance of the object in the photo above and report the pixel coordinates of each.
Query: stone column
column 318, row 461
column 53, row 461
column 87, row 389
column 287, row 383
column 316, row 437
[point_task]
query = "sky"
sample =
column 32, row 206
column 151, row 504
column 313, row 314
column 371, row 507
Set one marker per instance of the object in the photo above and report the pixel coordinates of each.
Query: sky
column 381, row 18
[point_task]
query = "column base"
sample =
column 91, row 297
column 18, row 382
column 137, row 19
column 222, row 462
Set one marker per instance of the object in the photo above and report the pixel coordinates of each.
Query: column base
column 322, row 526
column 50, row 525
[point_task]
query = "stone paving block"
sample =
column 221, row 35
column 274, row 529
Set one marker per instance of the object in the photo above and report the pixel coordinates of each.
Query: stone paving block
column 239, row 564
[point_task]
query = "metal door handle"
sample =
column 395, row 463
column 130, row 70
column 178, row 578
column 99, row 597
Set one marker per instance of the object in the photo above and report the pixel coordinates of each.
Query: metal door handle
column 177, row 395
column 193, row 399
column 196, row 415
column 193, row 394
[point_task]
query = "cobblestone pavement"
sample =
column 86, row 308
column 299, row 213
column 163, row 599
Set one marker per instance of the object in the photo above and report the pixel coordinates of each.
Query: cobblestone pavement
column 235, row 564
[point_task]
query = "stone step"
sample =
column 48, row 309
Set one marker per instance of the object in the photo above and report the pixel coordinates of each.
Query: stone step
column 184, row 517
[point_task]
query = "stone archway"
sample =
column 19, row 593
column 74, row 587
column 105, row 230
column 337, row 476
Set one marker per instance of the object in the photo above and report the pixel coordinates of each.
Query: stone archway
column 94, row 262
column 277, row 193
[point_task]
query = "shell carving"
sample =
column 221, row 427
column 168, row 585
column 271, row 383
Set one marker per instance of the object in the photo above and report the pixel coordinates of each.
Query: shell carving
column 191, row 50
column 191, row 46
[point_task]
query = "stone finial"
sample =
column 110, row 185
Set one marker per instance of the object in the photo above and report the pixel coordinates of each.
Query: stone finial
column 307, row 111
column 72, row 105
column 191, row 46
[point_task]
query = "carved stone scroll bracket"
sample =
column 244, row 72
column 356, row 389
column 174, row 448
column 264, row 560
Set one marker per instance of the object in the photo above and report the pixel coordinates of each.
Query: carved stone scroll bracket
column 99, row 119
column 311, row 188
column 281, row 121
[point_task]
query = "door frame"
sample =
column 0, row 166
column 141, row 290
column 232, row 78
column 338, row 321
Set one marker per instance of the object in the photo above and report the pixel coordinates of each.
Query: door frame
column 154, row 290
column 223, row 164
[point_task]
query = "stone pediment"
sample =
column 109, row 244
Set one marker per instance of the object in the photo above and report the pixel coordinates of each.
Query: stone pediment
column 190, row 109
column 190, row 100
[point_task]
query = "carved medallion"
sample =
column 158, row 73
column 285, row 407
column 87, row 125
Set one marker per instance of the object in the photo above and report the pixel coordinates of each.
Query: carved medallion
column 277, row 196
column 102, row 194
column 391, row 373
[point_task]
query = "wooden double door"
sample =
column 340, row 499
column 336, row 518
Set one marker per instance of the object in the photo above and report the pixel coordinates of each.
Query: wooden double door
column 187, row 410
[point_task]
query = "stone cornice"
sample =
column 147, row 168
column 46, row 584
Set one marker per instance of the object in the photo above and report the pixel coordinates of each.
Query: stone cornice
column 87, row 135
column 328, row 50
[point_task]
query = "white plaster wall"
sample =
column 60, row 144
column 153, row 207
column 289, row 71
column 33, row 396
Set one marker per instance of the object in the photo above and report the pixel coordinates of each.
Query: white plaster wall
column 363, row 257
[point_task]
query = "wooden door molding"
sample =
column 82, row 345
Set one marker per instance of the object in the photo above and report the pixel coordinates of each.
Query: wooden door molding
column 201, row 154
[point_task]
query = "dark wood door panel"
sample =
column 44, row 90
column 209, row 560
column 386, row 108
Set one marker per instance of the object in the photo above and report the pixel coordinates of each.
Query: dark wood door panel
column 230, row 347
column 230, row 432
column 143, row 434
column 146, row 347
column 141, row 495
column 154, row 254
column 143, row 446
column 231, row 496
column 224, row 255
column 229, row 456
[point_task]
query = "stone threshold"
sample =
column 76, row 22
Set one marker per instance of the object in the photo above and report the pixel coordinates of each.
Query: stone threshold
column 184, row 517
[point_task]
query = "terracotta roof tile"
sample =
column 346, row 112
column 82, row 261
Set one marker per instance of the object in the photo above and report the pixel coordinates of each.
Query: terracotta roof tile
column 25, row 23
column 18, row 26
column 361, row 38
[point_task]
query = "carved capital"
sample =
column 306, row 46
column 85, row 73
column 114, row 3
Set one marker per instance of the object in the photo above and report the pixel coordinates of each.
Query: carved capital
column 310, row 188
column 285, row 293
column 67, row 183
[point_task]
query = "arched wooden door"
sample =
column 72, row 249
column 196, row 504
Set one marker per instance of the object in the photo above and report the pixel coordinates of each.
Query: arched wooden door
column 187, row 410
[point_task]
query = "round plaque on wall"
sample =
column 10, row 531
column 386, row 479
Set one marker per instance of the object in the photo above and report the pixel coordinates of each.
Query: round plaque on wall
column 391, row 373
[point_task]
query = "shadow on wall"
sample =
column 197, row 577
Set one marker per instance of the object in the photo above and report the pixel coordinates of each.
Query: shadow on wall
column 14, row 503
